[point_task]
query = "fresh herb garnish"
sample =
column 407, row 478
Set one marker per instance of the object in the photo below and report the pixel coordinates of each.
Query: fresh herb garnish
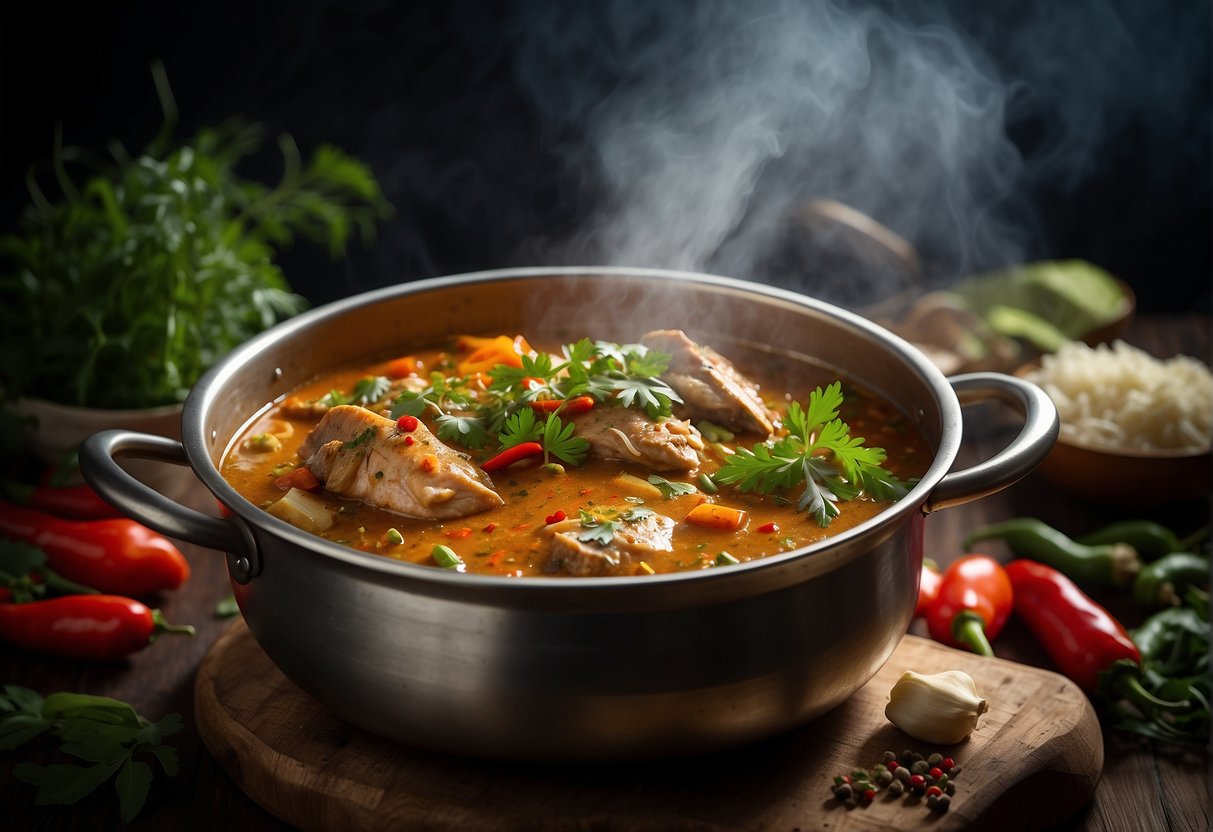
column 136, row 280
column 818, row 452
column 559, row 441
column 104, row 733
column 521, row 427
column 636, row 514
column 468, row 431
column 669, row 489
column 596, row 530
column 360, row 439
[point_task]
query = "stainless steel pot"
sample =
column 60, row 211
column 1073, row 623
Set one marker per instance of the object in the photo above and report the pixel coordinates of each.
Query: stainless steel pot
column 572, row 667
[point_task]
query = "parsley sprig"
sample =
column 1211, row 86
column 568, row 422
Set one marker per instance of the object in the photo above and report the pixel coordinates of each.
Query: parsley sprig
column 556, row 437
column 602, row 531
column 466, row 411
column 105, row 734
column 456, row 415
column 366, row 392
column 819, row 452
column 129, row 280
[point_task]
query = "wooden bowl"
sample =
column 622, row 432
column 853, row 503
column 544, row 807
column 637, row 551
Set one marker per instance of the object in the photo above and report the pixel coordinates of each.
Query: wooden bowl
column 1129, row 478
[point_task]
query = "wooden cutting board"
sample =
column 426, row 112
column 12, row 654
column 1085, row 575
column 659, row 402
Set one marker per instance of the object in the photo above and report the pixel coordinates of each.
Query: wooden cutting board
column 1033, row 761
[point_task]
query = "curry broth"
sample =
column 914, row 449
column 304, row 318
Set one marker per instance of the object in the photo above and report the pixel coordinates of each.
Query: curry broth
column 507, row 540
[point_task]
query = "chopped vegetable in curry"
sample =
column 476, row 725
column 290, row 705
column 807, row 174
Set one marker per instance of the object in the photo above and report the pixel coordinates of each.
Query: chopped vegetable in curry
column 595, row 459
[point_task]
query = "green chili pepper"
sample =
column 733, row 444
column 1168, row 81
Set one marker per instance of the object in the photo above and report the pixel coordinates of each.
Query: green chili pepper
column 1124, row 679
column 1157, row 635
column 1162, row 582
column 1115, row 564
column 1150, row 539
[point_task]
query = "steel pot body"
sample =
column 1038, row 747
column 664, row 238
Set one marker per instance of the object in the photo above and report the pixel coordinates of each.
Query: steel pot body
column 573, row 667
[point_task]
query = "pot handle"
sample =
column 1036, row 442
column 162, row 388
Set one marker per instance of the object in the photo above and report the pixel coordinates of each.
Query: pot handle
column 1026, row 451
column 140, row 502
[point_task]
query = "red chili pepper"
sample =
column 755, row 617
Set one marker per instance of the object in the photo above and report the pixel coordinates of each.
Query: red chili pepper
column 928, row 587
column 1079, row 635
column 555, row 517
column 79, row 502
column 515, row 453
column 1085, row 642
column 768, row 528
column 117, row 555
column 407, row 423
column 974, row 602
column 571, row 407
column 84, row 626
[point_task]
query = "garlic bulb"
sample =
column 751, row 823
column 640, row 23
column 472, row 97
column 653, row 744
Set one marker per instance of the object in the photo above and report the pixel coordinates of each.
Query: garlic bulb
column 941, row 709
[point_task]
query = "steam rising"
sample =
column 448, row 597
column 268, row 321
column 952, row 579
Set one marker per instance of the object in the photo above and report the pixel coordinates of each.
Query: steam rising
column 709, row 126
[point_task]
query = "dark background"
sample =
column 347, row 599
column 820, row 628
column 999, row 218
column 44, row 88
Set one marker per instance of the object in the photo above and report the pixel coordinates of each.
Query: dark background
column 481, row 175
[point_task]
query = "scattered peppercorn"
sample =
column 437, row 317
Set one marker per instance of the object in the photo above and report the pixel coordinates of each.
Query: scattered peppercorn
column 898, row 774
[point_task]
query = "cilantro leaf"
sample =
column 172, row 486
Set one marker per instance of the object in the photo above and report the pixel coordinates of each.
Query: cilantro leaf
column 636, row 514
column 595, row 530
column 468, row 431
column 819, row 452
column 370, row 389
column 334, row 398
column 651, row 394
column 559, row 441
column 521, row 426
column 649, row 363
column 410, row 403
column 669, row 489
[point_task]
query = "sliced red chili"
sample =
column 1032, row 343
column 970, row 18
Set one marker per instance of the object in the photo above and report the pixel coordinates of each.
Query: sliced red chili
column 555, row 517
column 515, row 453
column 768, row 528
column 407, row 423
column 571, row 407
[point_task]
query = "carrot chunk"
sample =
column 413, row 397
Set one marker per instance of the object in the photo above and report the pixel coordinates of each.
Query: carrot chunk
column 716, row 516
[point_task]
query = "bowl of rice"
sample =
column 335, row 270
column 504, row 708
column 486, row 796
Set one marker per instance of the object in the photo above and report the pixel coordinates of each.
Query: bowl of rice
column 1135, row 430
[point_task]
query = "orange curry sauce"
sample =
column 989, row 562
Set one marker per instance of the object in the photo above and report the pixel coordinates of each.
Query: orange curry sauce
column 507, row 541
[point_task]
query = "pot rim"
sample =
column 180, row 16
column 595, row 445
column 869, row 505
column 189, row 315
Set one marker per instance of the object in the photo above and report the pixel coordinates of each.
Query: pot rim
column 204, row 396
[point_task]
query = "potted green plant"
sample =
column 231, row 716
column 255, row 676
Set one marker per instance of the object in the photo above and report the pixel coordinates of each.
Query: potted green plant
column 121, row 291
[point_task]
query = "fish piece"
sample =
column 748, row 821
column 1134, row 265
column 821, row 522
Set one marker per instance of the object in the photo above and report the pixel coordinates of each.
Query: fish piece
column 632, row 541
column 710, row 386
column 628, row 434
column 364, row 456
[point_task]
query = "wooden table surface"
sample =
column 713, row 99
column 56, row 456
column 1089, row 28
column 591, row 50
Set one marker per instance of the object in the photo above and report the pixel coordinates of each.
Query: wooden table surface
column 1145, row 785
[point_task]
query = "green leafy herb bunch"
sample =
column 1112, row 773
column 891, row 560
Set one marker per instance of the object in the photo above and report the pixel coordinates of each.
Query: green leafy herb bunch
column 147, row 269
